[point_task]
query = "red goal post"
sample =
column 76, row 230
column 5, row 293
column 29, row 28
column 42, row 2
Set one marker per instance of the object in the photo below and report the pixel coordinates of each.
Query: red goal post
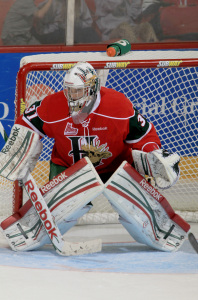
column 162, row 84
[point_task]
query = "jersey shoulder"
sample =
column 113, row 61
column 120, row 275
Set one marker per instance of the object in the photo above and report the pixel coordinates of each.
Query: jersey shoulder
column 115, row 104
column 53, row 108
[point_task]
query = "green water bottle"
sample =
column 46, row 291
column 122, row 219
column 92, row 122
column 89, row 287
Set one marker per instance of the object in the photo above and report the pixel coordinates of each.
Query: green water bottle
column 118, row 48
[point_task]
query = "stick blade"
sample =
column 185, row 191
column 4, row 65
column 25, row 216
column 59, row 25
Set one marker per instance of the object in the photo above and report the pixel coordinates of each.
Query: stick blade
column 193, row 241
column 80, row 248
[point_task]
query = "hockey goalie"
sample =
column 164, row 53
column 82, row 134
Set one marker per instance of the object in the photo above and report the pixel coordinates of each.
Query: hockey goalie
column 99, row 139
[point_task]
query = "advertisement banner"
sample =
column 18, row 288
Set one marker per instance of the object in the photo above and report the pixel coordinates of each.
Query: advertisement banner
column 8, row 71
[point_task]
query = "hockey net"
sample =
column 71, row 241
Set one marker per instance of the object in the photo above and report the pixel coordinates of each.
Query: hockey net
column 163, row 86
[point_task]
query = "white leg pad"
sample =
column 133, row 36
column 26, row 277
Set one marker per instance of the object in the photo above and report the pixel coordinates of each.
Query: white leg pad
column 144, row 212
column 67, row 196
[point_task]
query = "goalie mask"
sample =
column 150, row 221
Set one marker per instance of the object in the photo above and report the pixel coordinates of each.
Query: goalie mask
column 81, row 85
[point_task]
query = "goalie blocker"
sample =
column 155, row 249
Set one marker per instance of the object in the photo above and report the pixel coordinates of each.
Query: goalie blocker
column 20, row 154
column 143, row 211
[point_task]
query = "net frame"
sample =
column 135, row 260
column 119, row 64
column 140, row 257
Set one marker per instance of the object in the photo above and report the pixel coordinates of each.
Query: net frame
column 99, row 60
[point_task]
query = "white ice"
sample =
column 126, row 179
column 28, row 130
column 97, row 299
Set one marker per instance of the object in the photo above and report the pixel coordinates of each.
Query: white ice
column 123, row 270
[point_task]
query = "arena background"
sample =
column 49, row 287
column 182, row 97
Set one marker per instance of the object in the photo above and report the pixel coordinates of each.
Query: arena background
column 124, row 269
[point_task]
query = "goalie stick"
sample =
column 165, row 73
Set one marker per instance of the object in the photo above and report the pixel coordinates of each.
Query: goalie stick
column 61, row 246
column 193, row 241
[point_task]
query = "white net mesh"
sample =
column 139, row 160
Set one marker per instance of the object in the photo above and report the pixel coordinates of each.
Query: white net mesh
column 168, row 98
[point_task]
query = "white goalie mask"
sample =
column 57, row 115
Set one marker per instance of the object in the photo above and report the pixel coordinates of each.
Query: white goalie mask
column 81, row 85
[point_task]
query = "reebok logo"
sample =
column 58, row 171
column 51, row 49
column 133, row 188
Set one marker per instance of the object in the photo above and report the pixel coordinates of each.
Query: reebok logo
column 11, row 140
column 52, row 183
column 39, row 207
column 99, row 128
column 150, row 189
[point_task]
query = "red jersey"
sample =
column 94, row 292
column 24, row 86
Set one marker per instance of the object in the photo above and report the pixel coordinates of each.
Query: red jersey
column 112, row 129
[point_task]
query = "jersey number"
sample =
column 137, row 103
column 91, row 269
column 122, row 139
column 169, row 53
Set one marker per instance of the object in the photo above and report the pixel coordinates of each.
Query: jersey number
column 30, row 110
column 141, row 120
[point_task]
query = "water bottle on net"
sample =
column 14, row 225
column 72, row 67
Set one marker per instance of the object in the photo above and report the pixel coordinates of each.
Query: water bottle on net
column 118, row 48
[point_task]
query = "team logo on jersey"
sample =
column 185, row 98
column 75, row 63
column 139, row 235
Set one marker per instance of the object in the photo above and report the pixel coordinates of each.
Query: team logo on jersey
column 89, row 146
column 70, row 130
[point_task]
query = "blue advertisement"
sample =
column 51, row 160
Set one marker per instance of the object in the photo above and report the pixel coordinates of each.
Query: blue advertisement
column 9, row 63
